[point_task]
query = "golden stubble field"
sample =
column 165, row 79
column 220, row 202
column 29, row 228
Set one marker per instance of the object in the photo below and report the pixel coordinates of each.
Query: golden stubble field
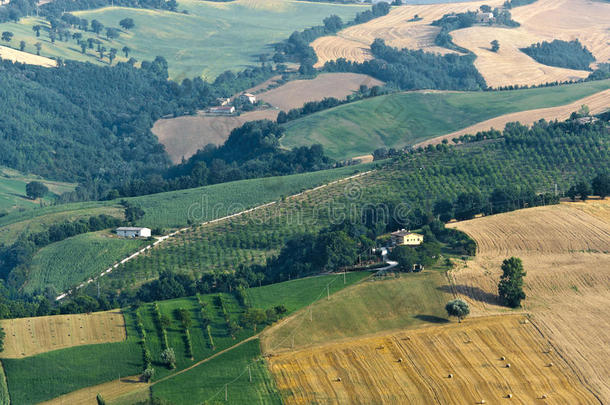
column 24, row 57
column 30, row 336
column 566, row 253
column 414, row 366
column 543, row 20
column 183, row 136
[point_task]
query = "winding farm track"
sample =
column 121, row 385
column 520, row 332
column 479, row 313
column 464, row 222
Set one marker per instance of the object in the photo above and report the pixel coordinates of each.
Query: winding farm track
column 213, row 221
column 597, row 103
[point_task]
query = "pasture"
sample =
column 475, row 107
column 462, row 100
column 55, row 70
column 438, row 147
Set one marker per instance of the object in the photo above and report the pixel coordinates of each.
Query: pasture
column 64, row 264
column 30, row 336
column 211, row 38
column 368, row 307
column 402, row 119
column 416, row 364
column 565, row 251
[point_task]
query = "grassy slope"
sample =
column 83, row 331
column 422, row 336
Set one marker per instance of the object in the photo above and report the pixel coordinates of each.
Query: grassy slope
column 372, row 306
column 206, row 382
column 49, row 375
column 12, row 190
column 69, row 262
column 212, row 38
column 402, row 119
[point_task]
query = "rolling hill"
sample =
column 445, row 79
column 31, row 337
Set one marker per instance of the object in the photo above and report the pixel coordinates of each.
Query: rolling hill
column 403, row 119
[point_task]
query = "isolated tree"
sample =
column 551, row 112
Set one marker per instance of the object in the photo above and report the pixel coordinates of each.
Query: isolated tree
column 165, row 321
column 112, row 54
column 148, row 374
column 333, row 23
column 127, row 23
column 112, row 33
column 406, row 257
column 583, row 190
column 52, row 36
column 457, row 308
column 601, row 185
column 83, row 46
column 7, row 36
column 100, row 400
column 36, row 189
column 102, row 51
column 510, row 288
column 126, row 51
column 22, row 46
column 168, row 356
column 77, row 36
column 37, row 29
column 38, row 47
column 495, row 45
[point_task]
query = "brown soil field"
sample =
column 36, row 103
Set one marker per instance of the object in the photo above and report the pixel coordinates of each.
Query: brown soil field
column 298, row 92
column 24, row 57
column 183, row 136
column 565, row 250
column 543, row 20
column 30, row 336
column 414, row 367
column 597, row 103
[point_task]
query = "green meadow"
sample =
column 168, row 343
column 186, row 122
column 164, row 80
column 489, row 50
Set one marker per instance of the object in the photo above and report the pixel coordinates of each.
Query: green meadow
column 402, row 119
column 210, row 39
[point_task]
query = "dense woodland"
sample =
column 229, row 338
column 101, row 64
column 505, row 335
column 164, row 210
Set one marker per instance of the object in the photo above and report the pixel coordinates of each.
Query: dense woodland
column 571, row 55
column 409, row 70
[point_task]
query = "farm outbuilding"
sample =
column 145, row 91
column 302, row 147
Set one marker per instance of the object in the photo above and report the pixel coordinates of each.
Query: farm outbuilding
column 248, row 98
column 225, row 110
column 404, row 237
column 133, row 232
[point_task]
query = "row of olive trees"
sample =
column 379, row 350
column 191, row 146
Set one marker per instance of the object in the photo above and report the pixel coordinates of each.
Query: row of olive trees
column 510, row 289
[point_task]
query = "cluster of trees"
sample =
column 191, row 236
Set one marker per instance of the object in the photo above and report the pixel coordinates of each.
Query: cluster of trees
column 566, row 54
column 455, row 21
column 415, row 69
column 510, row 287
column 96, row 120
column 296, row 47
column 328, row 102
column 600, row 186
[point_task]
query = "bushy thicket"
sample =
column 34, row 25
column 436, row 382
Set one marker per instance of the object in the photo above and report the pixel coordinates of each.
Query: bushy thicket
column 571, row 55
column 415, row 69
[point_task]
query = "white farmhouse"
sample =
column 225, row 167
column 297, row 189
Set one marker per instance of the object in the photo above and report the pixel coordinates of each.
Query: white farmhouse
column 133, row 232
column 248, row 98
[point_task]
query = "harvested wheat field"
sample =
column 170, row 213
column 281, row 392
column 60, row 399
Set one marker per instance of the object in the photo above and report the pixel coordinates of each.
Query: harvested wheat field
column 15, row 55
column 298, row 92
column 183, row 136
column 30, row 336
column 597, row 103
column 414, row 367
column 543, row 20
column 396, row 29
column 566, row 252
column 131, row 386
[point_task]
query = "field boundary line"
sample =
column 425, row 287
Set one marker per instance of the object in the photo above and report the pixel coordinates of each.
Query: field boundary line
column 212, row 221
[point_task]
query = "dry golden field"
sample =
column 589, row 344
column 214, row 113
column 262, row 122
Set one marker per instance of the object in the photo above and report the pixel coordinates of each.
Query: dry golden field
column 597, row 103
column 183, row 136
column 24, row 57
column 566, row 253
column 109, row 391
column 543, row 20
column 30, row 336
column 414, row 366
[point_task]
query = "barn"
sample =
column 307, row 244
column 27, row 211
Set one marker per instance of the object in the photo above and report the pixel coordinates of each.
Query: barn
column 133, row 232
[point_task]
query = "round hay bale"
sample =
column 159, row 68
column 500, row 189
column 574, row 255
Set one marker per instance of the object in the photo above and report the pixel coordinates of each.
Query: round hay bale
column 550, row 364
column 450, row 376
column 338, row 379
column 509, row 396
column 507, row 365
column 543, row 396
column 400, row 360
column 482, row 401
column 502, row 358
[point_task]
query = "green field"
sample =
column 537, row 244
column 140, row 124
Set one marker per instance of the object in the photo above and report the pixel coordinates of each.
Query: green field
column 49, row 375
column 65, row 264
column 210, row 39
column 402, row 119
column 205, row 383
column 12, row 190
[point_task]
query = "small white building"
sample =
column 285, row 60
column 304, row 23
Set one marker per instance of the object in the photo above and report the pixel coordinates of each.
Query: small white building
column 485, row 17
column 248, row 98
column 133, row 232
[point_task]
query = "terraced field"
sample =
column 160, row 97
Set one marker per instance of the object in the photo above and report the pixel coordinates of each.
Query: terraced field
column 565, row 250
column 415, row 365
column 30, row 336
